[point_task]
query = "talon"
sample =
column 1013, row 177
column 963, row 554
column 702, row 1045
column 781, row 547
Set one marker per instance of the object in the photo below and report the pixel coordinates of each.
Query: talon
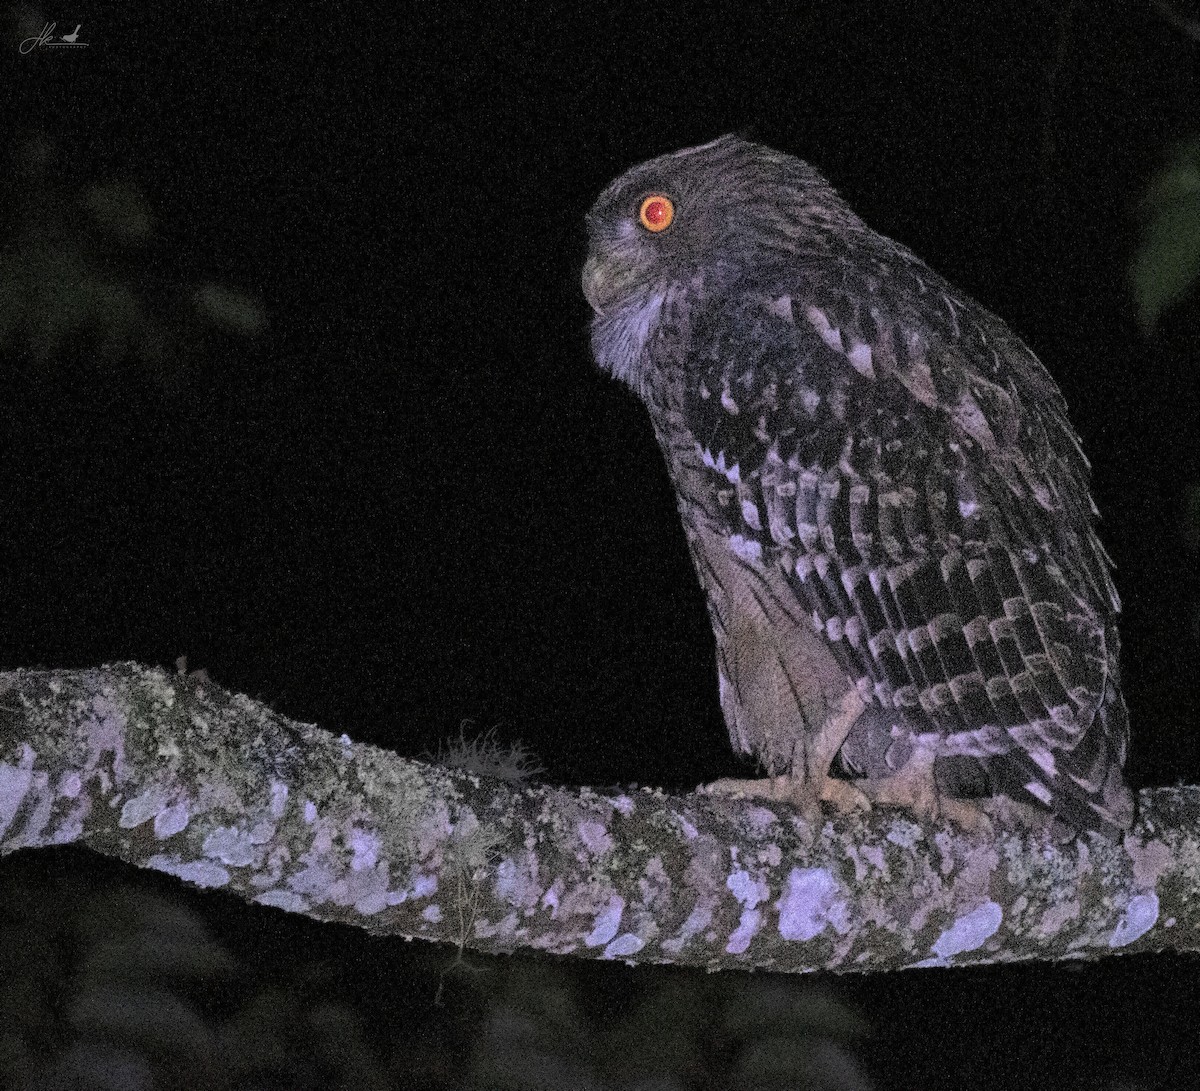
column 914, row 788
column 844, row 796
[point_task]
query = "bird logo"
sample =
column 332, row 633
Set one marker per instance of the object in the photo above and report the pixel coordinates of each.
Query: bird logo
column 71, row 38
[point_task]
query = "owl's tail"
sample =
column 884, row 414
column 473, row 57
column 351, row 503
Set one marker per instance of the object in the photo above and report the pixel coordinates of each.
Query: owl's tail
column 1083, row 786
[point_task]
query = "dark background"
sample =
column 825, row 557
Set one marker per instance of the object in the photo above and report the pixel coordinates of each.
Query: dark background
column 413, row 501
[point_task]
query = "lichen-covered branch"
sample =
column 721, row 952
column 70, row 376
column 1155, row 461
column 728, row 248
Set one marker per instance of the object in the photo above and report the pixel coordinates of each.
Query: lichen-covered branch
column 176, row 774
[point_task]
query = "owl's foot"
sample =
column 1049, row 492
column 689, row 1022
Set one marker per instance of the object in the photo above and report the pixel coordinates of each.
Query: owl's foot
column 914, row 789
column 813, row 786
column 842, row 795
column 1026, row 818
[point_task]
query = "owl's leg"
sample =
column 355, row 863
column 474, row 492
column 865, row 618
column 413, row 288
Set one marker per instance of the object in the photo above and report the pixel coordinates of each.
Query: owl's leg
column 809, row 783
column 819, row 751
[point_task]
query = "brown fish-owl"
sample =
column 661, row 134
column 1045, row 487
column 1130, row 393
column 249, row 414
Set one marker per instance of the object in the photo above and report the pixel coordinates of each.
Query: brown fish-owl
column 886, row 504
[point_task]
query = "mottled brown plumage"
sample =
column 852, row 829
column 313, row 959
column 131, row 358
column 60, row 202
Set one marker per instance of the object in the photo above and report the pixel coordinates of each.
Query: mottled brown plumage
column 885, row 501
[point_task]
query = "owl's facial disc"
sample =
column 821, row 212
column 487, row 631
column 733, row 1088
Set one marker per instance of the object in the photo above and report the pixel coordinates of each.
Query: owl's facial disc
column 633, row 247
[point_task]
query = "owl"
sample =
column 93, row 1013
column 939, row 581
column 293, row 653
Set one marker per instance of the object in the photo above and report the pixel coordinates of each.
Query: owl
column 885, row 502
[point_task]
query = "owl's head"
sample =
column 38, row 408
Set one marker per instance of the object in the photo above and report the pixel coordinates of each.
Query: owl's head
column 713, row 212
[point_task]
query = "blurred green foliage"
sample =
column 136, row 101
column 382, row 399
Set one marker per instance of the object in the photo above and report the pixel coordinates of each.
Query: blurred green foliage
column 122, row 987
column 1167, row 261
column 1191, row 516
column 1164, row 273
column 115, row 981
column 78, row 268
column 687, row 1032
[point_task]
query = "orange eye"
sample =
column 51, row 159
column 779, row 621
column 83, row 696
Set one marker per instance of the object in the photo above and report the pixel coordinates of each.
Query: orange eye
column 656, row 213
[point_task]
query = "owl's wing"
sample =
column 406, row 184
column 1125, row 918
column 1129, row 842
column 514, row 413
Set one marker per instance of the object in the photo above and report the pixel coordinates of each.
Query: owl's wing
column 909, row 464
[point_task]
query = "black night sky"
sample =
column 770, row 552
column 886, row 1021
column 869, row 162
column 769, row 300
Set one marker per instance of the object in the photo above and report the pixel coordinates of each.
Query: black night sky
column 412, row 500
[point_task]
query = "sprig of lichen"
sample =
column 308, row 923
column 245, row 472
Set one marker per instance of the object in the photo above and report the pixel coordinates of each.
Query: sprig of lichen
column 486, row 756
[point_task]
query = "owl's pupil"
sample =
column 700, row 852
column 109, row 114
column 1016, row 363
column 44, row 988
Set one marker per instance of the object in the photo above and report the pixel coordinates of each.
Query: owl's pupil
column 656, row 212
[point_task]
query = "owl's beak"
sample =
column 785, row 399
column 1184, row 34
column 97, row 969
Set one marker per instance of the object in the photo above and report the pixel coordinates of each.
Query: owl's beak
column 593, row 284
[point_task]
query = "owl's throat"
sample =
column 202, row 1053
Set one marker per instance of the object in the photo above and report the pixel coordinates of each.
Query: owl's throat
column 620, row 336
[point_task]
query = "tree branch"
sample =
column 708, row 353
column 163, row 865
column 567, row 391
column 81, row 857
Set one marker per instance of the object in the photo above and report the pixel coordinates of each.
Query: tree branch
column 174, row 773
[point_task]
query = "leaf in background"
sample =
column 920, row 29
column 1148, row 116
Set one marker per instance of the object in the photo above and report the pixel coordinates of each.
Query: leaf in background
column 1191, row 515
column 231, row 310
column 77, row 266
column 535, row 1036
column 662, row 1036
column 121, row 210
column 1167, row 261
column 788, row 1038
